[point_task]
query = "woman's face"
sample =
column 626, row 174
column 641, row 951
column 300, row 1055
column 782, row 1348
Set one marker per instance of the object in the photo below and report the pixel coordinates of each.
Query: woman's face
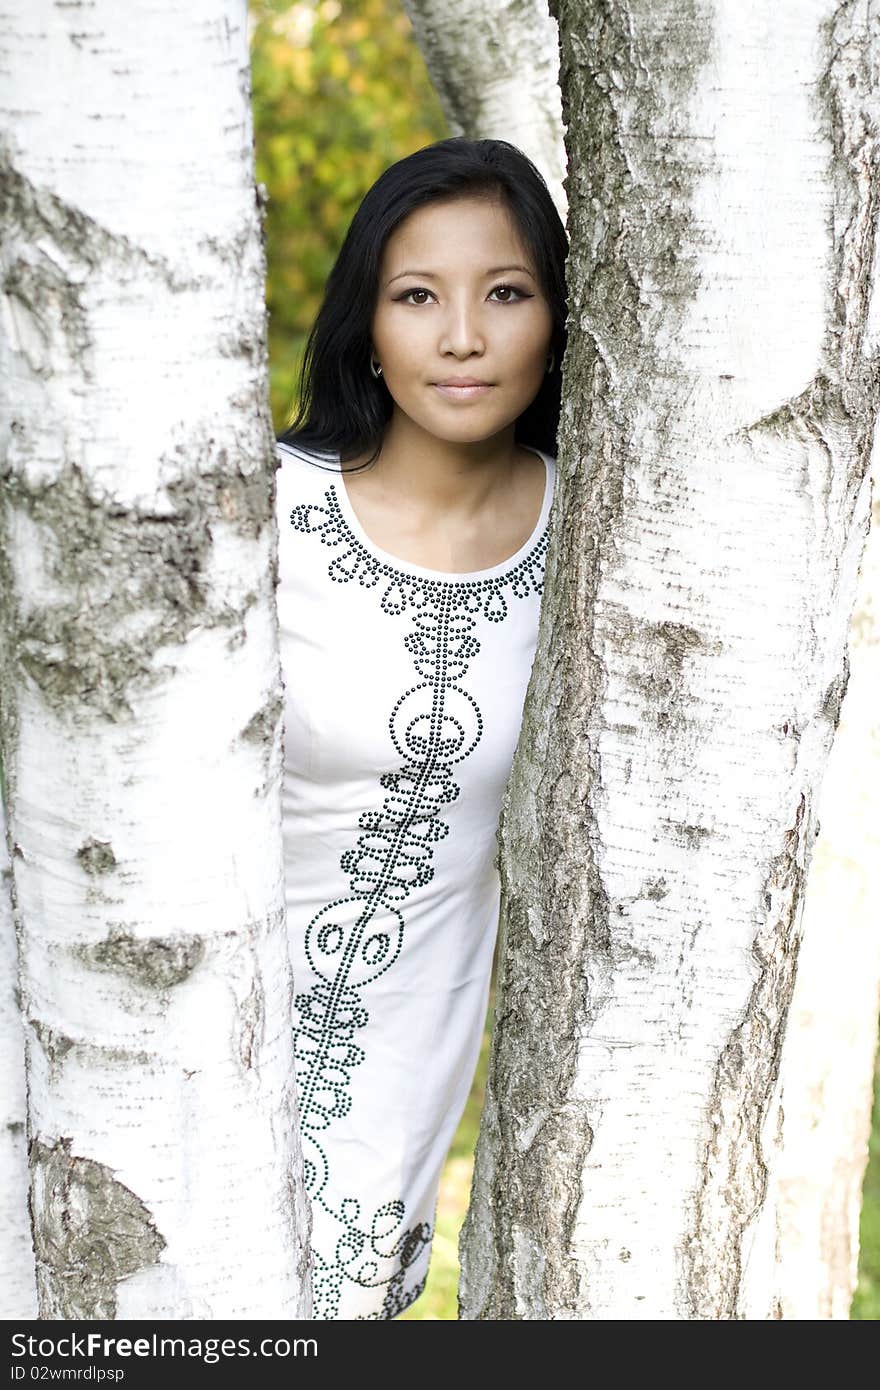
column 459, row 298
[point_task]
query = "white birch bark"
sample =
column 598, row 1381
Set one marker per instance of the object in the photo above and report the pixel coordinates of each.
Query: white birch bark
column 495, row 68
column 140, row 671
column 827, row 1076
column 18, row 1290
column 721, row 391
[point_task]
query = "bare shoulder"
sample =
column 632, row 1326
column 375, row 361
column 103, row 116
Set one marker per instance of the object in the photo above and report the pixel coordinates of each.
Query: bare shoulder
column 530, row 462
column 358, row 480
column 530, row 478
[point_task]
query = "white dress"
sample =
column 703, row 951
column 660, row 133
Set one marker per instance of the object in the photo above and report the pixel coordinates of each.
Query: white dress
column 404, row 689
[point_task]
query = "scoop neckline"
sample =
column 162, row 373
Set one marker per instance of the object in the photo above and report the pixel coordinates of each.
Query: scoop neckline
column 450, row 576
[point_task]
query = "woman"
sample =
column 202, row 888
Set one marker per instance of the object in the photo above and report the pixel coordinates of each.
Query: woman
column 414, row 494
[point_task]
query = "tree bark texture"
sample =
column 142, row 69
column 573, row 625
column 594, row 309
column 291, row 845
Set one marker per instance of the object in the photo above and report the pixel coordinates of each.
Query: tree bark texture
column 720, row 398
column 18, row 1290
column 141, row 689
column 830, row 1046
column 495, row 68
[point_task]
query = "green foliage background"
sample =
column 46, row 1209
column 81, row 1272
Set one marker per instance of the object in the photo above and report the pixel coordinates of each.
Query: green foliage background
column 340, row 91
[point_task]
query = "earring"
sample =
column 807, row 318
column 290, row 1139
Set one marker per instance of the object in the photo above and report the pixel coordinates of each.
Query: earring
column 551, row 362
column 375, row 368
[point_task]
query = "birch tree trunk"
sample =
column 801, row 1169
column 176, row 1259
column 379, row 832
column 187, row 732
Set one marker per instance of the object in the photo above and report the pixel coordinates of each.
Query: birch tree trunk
column 721, row 391
column 140, row 673
column 18, row 1290
column 830, row 1045
column 495, row 68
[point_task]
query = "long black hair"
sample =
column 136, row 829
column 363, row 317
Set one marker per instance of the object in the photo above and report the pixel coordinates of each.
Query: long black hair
column 343, row 408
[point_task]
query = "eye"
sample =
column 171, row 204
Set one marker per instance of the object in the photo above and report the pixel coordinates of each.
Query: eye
column 402, row 298
column 520, row 294
column 512, row 295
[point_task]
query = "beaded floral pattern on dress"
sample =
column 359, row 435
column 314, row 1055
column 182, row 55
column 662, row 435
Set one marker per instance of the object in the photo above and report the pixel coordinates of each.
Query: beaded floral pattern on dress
column 434, row 725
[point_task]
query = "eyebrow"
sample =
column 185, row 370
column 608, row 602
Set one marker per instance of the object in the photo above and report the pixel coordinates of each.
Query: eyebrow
column 430, row 274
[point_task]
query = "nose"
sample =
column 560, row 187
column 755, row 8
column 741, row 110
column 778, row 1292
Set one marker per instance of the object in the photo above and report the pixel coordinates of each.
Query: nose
column 462, row 331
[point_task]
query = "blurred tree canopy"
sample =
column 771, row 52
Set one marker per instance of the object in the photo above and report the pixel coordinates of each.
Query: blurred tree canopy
column 340, row 91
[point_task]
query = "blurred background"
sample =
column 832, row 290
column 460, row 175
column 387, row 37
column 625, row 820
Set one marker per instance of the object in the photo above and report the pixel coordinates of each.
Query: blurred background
column 339, row 93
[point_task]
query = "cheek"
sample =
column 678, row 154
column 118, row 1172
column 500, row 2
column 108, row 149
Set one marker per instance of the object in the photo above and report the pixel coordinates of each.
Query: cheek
column 397, row 337
column 527, row 352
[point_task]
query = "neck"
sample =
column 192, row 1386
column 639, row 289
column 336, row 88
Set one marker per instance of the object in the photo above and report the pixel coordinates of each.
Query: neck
column 443, row 475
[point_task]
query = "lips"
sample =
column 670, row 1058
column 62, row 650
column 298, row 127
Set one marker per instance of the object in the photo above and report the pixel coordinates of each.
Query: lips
column 463, row 381
column 469, row 391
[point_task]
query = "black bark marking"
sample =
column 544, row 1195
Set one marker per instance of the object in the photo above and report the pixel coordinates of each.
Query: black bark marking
column 691, row 835
column 657, row 668
column 833, row 700
column 262, row 726
column 153, row 963
column 252, row 1017
column 55, row 1044
column 90, row 1231
column 655, row 888
column 96, row 857
column 58, row 1046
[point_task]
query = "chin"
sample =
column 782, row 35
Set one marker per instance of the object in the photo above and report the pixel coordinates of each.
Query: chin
column 475, row 434
column 459, row 425
column 469, row 423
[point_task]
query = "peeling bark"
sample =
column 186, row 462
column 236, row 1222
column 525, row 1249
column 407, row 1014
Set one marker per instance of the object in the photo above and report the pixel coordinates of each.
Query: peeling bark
column 140, row 686
column 721, row 390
